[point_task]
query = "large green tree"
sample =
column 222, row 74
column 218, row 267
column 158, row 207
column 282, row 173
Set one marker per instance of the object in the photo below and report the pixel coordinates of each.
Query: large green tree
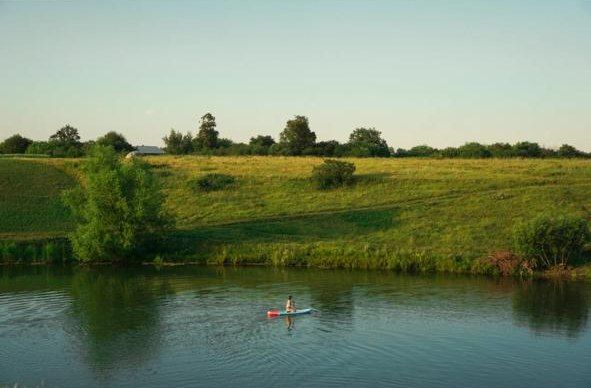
column 368, row 142
column 119, row 208
column 115, row 140
column 15, row 144
column 207, row 136
column 297, row 136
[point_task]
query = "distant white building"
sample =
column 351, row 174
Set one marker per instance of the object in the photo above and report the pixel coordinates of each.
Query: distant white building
column 145, row 150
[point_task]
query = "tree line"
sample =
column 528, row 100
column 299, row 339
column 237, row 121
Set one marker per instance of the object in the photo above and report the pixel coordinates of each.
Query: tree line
column 296, row 139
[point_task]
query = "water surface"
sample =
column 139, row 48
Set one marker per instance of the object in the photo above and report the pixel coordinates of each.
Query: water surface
column 203, row 326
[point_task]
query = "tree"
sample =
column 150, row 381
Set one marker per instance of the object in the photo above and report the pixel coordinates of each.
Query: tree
column 15, row 144
column 178, row 144
column 262, row 141
column 328, row 148
column 118, row 210
column 368, row 142
column 65, row 143
column 501, row 150
column 260, row 145
column 568, row 151
column 207, row 137
column 474, row 150
column 66, row 135
column 526, row 149
column 297, row 136
column 115, row 140
column 422, row 151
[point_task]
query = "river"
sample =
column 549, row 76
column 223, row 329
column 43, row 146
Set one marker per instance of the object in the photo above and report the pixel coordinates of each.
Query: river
column 206, row 326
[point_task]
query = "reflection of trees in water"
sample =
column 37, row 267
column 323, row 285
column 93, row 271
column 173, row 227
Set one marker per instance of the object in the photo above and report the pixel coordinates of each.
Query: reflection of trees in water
column 116, row 317
column 559, row 307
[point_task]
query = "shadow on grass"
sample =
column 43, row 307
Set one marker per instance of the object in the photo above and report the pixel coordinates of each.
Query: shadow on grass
column 370, row 179
column 294, row 229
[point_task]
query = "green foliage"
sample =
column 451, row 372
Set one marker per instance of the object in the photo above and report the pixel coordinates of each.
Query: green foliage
column 568, row 151
column 297, row 136
column 213, row 182
column 551, row 240
column 39, row 148
column 115, row 140
column 420, row 151
column 15, row 144
column 207, row 137
column 501, row 150
column 52, row 251
column 365, row 142
column 178, row 144
column 67, row 134
column 474, row 150
column 526, row 149
column 333, row 173
column 119, row 209
column 260, row 145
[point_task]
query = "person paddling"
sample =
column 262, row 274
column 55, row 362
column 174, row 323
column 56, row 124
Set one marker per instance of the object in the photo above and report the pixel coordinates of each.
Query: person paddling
column 290, row 305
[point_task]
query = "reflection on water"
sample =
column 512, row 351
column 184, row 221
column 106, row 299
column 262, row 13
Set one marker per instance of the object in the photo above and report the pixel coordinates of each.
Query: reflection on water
column 115, row 316
column 555, row 307
column 207, row 326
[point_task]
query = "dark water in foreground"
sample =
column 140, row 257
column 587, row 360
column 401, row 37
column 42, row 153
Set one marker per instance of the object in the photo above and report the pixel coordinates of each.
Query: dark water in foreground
column 195, row 326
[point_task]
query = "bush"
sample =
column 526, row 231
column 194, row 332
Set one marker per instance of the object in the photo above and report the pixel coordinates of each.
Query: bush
column 551, row 240
column 119, row 209
column 333, row 173
column 507, row 264
column 212, row 182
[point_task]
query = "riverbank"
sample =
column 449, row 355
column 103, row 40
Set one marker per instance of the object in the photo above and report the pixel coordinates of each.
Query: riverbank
column 418, row 215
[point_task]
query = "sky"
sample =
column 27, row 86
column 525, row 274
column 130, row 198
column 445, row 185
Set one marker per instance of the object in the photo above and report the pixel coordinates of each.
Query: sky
column 422, row 72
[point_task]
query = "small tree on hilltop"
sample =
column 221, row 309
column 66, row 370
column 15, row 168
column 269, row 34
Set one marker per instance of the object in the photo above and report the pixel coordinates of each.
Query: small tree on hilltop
column 66, row 135
column 65, row 142
column 297, row 136
column 15, row 144
column 207, row 137
column 119, row 210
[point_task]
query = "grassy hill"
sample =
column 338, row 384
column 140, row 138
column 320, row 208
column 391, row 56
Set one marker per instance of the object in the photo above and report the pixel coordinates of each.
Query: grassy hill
column 30, row 207
column 399, row 211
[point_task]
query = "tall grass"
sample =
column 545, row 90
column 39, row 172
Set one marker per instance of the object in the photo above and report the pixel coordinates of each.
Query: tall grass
column 30, row 252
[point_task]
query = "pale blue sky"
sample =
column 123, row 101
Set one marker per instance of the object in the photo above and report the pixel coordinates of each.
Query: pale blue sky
column 436, row 72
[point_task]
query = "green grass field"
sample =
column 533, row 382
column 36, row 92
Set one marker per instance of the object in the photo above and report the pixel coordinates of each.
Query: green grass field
column 442, row 212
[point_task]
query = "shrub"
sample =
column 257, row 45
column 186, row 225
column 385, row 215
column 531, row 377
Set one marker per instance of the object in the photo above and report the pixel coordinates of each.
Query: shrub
column 15, row 144
column 551, row 240
column 212, row 182
column 507, row 263
column 119, row 210
column 333, row 173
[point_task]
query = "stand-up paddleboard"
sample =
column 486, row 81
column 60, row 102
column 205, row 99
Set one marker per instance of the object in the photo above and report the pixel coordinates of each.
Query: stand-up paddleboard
column 283, row 313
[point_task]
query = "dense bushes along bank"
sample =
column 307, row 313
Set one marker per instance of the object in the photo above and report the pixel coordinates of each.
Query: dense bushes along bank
column 296, row 139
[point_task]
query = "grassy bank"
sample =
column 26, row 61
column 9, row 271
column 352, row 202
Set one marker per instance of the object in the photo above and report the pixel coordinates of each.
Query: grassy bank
column 407, row 214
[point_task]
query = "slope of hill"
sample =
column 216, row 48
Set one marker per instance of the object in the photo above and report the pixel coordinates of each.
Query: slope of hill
column 399, row 211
